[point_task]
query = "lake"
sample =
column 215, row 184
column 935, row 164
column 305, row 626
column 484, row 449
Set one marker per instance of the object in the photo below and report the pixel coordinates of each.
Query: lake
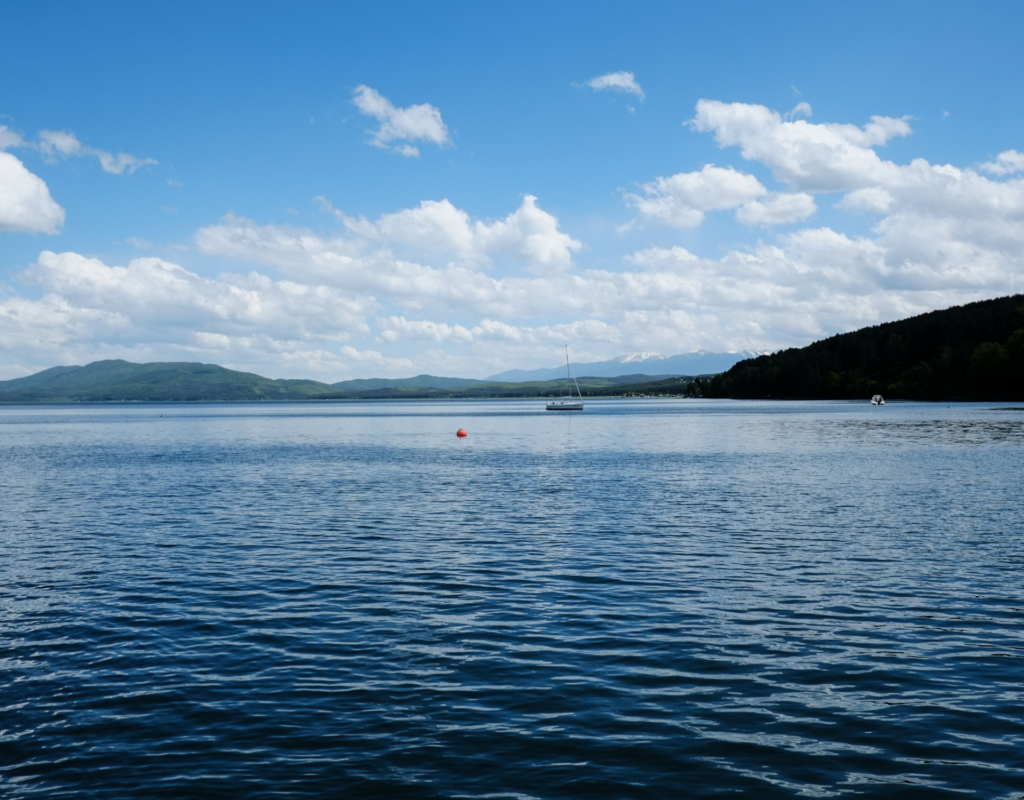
column 648, row 599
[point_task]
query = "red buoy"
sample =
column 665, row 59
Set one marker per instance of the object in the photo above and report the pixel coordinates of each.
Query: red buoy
column 461, row 432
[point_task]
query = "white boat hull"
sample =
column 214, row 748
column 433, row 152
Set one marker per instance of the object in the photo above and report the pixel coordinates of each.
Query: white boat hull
column 573, row 406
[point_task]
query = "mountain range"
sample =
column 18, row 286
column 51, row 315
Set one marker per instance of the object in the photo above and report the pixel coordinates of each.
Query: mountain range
column 123, row 381
column 650, row 364
column 116, row 380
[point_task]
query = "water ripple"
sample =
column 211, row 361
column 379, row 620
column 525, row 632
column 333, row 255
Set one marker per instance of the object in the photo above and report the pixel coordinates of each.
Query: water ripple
column 666, row 598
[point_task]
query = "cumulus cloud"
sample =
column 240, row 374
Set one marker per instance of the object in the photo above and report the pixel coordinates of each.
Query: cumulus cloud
column 153, row 293
column 777, row 209
column 530, row 234
column 618, row 82
column 943, row 229
column 436, row 227
column 25, row 202
column 354, row 265
column 661, row 258
column 154, row 309
column 394, row 328
column 362, row 260
column 419, row 122
column 682, row 199
column 64, row 144
column 809, row 284
column 822, row 157
column 870, row 198
column 804, row 285
column 1006, row 163
column 832, row 157
column 489, row 332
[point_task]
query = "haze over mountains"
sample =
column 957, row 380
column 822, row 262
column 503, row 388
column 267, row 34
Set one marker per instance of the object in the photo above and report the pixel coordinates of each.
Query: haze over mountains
column 653, row 364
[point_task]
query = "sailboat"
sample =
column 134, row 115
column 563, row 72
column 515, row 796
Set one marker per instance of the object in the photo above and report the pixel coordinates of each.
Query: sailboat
column 567, row 403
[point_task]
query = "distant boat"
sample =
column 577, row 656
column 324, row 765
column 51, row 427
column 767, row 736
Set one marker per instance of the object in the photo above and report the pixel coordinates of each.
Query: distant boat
column 567, row 403
column 878, row 400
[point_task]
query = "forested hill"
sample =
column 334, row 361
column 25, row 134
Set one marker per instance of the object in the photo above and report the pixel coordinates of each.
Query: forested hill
column 970, row 352
column 122, row 380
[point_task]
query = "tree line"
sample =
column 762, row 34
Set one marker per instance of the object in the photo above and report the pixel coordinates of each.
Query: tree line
column 969, row 352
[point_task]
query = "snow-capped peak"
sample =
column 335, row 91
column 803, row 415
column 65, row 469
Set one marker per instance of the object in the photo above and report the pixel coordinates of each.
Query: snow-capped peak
column 639, row 357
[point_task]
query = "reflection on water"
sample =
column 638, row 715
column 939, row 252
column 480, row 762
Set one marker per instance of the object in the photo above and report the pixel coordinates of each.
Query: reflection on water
column 647, row 599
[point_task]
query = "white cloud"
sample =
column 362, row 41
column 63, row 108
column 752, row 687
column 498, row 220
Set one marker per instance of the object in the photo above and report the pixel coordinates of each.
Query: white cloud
column 777, row 209
column 54, row 143
column 395, row 328
column 436, row 227
column 662, row 258
column 811, row 283
column 9, row 138
column 1006, row 163
column 681, row 200
column 809, row 157
column 870, row 198
column 401, row 124
column 617, row 81
column 64, row 143
column 530, row 234
column 156, row 310
column 970, row 213
column 121, row 162
column 490, row 332
column 151, row 294
column 801, row 109
column 25, row 202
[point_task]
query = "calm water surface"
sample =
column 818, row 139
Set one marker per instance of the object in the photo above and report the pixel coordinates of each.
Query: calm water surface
column 648, row 599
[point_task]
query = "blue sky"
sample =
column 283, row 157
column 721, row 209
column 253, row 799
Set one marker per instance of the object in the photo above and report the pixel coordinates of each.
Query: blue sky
column 866, row 167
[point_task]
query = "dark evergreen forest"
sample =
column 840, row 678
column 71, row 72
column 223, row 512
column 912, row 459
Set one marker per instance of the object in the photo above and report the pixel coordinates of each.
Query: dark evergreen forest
column 969, row 352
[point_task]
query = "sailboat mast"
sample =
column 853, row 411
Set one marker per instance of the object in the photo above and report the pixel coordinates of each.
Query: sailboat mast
column 570, row 379
column 567, row 403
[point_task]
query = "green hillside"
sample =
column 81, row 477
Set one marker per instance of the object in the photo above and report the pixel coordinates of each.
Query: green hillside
column 589, row 387
column 123, row 380
column 969, row 352
column 420, row 381
column 364, row 385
